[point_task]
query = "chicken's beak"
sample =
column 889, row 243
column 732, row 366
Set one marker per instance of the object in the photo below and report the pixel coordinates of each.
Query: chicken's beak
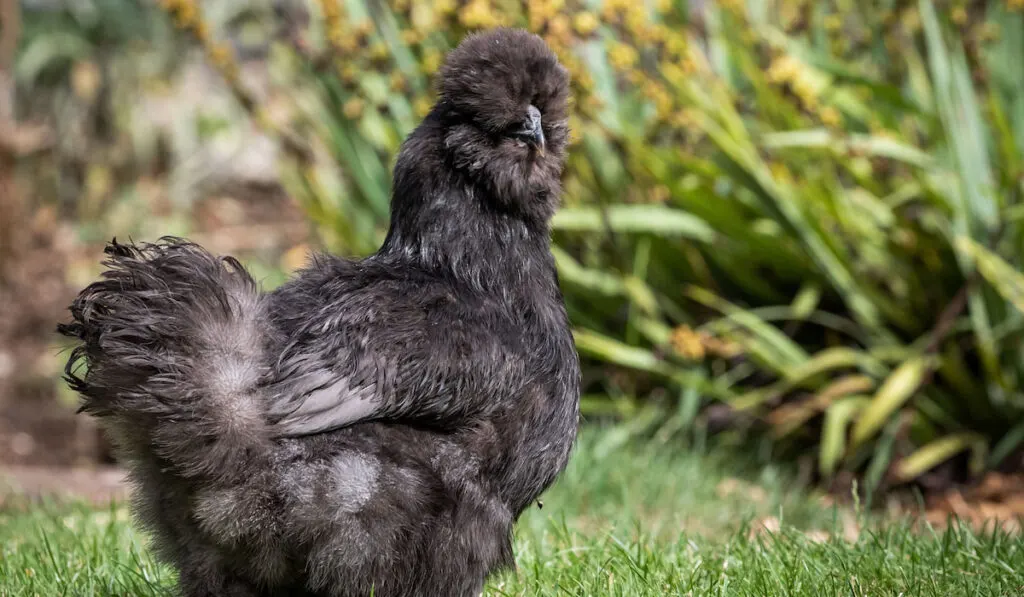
column 532, row 131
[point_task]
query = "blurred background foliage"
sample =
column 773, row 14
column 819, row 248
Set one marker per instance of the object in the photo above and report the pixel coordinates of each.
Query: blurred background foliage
column 796, row 223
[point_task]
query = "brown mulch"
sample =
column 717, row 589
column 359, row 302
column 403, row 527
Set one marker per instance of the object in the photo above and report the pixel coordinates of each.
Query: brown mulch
column 998, row 498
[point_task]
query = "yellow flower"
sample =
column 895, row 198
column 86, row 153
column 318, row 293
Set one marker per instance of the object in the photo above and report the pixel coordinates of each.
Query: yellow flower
column 585, row 23
column 676, row 72
column 737, row 7
column 959, row 15
column 658, row 194
column 781, row 172
column 593, row 102
column 684, row 119
column 687, row 343
column 622, row 56
column 363, row 28
column 990, row 31
column 661, row 98
column 559, row 28
column 331, row 9
column 411, row 37
column 432, row 59
column 805, row 91
column 220, row 56
column 636, row 23
column 353, row 108
column 911, row 20
column 676, row 45
column 348, row 73
column 397, row 82
column 478, row 14
column 583, row 80
column 783, row 69
column 379, row 51
column 830, row 116
column 422, row 105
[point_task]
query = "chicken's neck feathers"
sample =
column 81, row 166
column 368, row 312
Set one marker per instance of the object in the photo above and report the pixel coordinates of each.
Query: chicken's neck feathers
column 445, row 224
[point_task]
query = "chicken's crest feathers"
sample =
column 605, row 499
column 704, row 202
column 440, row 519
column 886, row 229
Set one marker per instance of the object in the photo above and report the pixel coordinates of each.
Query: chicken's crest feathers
column 492, row 77
column 496, row 139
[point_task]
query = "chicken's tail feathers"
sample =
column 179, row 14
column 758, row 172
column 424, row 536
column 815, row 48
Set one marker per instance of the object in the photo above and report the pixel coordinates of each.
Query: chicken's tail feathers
column 172, row 341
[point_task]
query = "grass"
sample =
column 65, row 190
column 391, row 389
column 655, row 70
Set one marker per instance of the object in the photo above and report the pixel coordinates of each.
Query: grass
column 624, row 520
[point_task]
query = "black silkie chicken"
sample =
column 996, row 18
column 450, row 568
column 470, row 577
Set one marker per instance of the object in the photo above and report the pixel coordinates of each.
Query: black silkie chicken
column 371, row 426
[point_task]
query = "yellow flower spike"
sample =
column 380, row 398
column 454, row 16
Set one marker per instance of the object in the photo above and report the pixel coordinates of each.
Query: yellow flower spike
column 432, row 59
column 353, row 108
column 830, row 116
column 220, row 56
column 780, row 172
column 348, row 73
column 585, row 23
column 346, row 44
column 658, row 33
column 959, row 15
column 584, row 80
column 1015, row 5
column 560, row 28
column 833, row 22
column 397, row 82
column 574, row 128
column 683, row 119
column 911, row 20
column 635, row 22
column 736, row 7
column 411, row 37
column 675, row 72
column 363, row 29
column 379, row 51
column 331, row 9
column 990, row 31
column 676, row 44
column 687, row 343
column 659, row 194
column 782, row 69
column 622, row 56
column 610, row 12
column 475, row 15
column 422, row 106
column 594, row 103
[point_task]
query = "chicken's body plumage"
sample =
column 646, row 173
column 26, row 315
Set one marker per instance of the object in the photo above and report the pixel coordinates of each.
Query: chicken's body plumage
column 372, row 426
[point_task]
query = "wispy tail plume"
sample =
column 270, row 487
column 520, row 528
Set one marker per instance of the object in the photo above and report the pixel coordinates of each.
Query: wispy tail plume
column 173, row 340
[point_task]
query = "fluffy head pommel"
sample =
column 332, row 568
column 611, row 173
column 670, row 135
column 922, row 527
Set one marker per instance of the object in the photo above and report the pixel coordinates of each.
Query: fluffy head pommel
column 503, row 111
column 496, row 75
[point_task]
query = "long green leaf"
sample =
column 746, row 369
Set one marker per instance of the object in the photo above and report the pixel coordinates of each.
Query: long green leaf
column 936, row 452
column 1004, row 278
column 894, row 392
column 833, row 433
column 651, row 219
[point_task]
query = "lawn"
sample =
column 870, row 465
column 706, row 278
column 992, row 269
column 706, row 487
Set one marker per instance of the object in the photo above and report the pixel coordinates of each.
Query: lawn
column 624, row 520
